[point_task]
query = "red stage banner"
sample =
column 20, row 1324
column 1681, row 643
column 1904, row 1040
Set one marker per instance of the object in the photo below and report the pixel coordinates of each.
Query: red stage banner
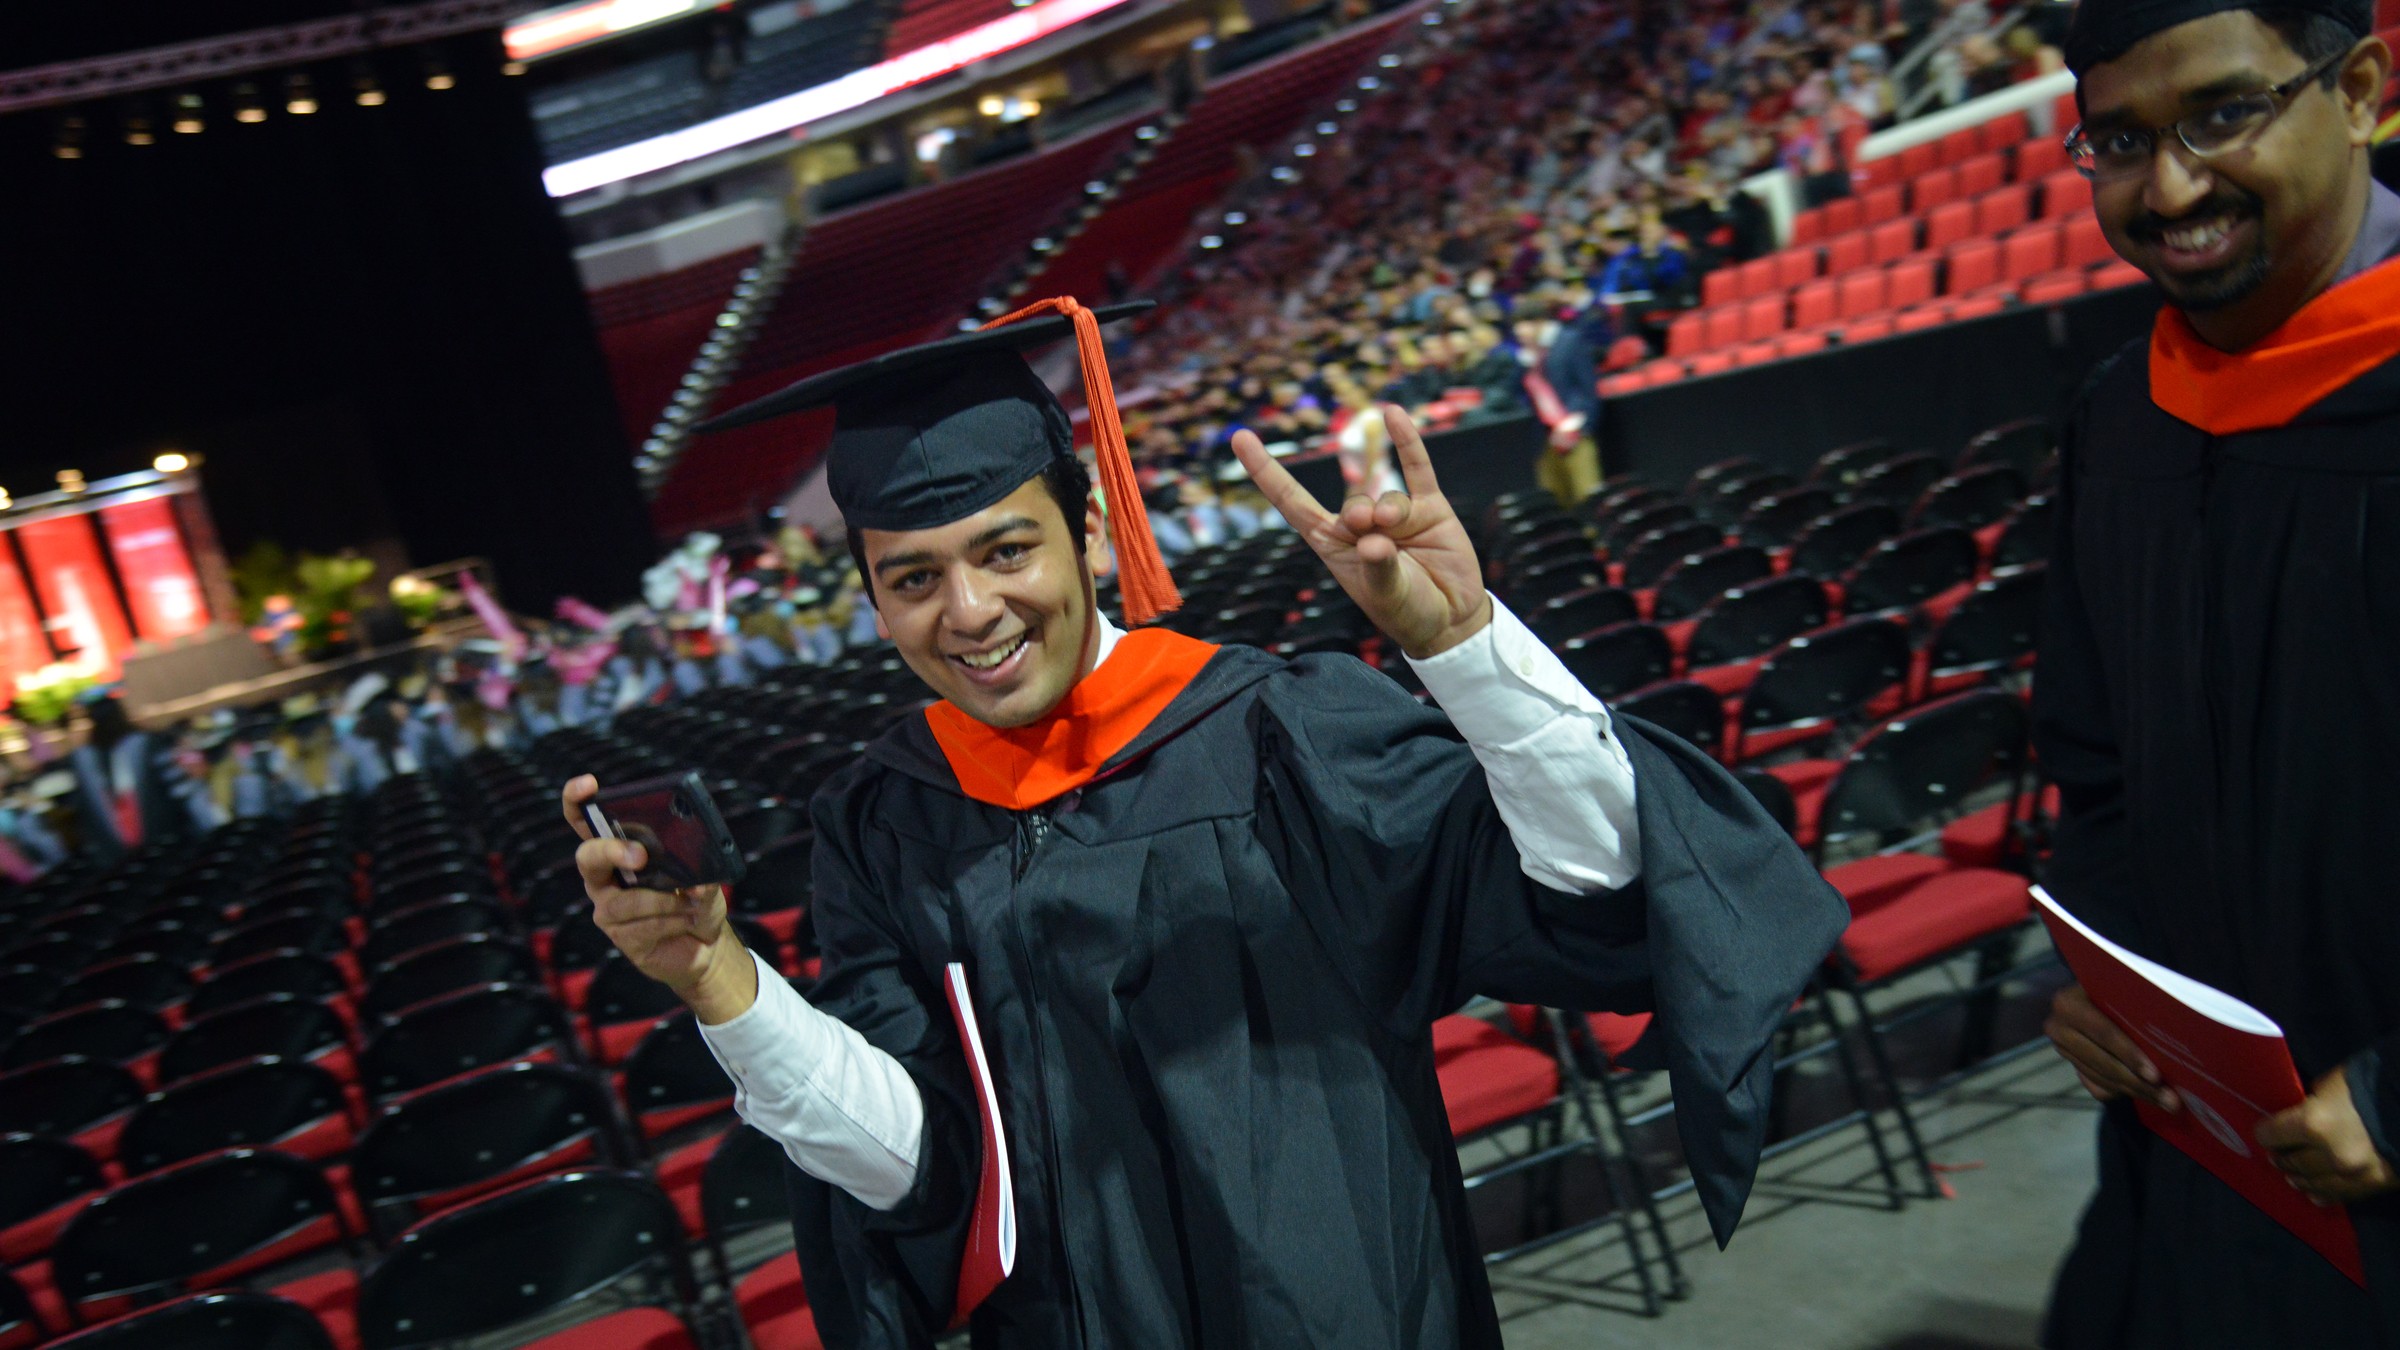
column 22, row 650
column 76, row 593
column 161, row 588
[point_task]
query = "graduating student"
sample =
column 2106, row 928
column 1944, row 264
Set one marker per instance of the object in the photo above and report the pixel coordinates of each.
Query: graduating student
column 2220, row 673
column 1208, row 901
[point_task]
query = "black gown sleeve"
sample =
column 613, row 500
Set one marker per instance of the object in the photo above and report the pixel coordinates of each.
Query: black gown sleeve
column 884, row 1278
column 1379, row 819
column 2074, row 732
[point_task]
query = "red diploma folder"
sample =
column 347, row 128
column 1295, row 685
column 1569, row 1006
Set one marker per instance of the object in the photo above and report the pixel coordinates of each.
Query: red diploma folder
column 2227, row 1062
column 992, row 1238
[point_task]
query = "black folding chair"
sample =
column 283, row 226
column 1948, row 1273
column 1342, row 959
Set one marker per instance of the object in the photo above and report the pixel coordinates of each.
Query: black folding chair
column 459, row 1032
column 290, row 1106
column 287, row 1026
column 1900, row 574
column 451, row 1143
column 1829, row 545
column 607, row 1245
column 1689, row 710
column 1619, row 659
column 198, row 1225
column 218, row 1320
column 1909, row 910
column 1580, row 613
column 1969, row 500
column 1815, row 682
column 1697, row 581
column 1772, row 521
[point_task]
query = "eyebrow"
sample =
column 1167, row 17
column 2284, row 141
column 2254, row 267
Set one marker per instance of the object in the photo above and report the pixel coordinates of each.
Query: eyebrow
column 985, row 537
column 2223, row 87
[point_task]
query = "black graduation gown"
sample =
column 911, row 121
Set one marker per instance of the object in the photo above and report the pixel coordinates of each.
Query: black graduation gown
column 2219, row 700
column 1205, row 982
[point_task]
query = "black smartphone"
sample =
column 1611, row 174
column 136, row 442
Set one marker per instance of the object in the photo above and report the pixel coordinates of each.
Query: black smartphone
column 678, row 826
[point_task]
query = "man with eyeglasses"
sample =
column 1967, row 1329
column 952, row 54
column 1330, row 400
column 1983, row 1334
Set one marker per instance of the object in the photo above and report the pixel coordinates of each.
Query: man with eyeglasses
column 2219, row 698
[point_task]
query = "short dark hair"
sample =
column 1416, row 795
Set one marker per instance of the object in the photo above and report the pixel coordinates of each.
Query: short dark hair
column 2311, row 34
column 1070, row 486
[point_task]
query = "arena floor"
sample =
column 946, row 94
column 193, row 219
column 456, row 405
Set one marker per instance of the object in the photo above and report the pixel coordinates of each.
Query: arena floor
column 1822, row 1263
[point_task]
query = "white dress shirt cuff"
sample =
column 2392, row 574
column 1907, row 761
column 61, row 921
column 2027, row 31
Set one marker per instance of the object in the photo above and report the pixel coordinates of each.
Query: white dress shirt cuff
column 1503, row 685
column 844, row 1111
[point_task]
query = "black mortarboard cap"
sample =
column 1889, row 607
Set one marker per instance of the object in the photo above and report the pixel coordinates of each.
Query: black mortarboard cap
column 2103, row 30
column 933, row 433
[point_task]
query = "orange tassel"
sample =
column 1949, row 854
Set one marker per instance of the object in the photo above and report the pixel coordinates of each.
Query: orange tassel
column 1142, row 578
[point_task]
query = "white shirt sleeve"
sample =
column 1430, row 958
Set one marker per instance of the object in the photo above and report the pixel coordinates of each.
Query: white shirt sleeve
column 844, row 1111
column 1562, row 783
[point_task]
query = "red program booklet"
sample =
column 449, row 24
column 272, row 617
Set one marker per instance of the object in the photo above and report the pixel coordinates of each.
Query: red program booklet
column 2227, row 1062
column 992, row 1236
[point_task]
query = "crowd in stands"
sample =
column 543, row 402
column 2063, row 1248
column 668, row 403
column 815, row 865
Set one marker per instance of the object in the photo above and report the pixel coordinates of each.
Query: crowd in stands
column 1536, row 186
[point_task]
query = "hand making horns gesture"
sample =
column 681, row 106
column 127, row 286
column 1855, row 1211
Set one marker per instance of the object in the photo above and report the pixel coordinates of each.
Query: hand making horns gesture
column 1404, row 556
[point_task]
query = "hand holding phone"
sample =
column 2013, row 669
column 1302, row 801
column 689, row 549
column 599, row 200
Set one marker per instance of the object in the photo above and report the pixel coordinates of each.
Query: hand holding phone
column 668, row 918
column 683, row 836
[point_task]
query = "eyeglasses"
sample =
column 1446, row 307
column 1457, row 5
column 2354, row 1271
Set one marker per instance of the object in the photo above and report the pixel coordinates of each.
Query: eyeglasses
column 2226, row 127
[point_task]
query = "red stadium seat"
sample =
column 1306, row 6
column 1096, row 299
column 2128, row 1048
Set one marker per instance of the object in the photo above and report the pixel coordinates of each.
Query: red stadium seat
column 1723, row 328
column 2063, row 114
column 1948, row 225
column 2003, row 131
column 1627, row 352
column 1892, row 240
column 1921, row 158
column 1862, row 294
column 1910, row 282
column 1875, row 173
column 2003, row 209
column 1684, row 335
column 2065, row 193
column 1884, row 203
column 1800, row 344
column 2040, row 157
column 2117, row 274
column 2054, row 288
column 1754, row 278
column 1922, row 317
column 1841, row 216
column 1617, row 386
column 1927, row 191
column 1712, row 363
column 1845, row 253
column 1976, row 307
column 1809, row 226
column 1796, row 266
column 1980, row 174
column 1867, row 329
column 2030, row 252
column 1962, row 144
column 1718, row 287
column 2085, row 245
column 1972, row 266
column 1815, row 304
column 1756, row 353
column 1763, row 318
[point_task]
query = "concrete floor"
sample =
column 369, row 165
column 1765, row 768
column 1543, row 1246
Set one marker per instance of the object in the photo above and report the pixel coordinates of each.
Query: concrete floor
column 1821, row 1262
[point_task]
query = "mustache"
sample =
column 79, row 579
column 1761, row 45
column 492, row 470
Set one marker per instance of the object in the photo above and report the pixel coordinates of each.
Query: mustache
column 2230, row 202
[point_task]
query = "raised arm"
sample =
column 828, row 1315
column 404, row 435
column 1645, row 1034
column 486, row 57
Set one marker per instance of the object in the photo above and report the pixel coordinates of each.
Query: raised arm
column 1561, row 782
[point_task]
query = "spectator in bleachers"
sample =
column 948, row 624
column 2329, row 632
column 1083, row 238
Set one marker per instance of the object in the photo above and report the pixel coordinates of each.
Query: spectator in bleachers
column 2219, row 699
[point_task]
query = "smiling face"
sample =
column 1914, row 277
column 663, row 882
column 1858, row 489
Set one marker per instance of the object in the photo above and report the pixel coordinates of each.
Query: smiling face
column 993, row 612
column 2242, row 239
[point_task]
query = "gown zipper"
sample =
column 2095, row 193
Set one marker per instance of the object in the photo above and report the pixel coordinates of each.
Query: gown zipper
column 1033, row 828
